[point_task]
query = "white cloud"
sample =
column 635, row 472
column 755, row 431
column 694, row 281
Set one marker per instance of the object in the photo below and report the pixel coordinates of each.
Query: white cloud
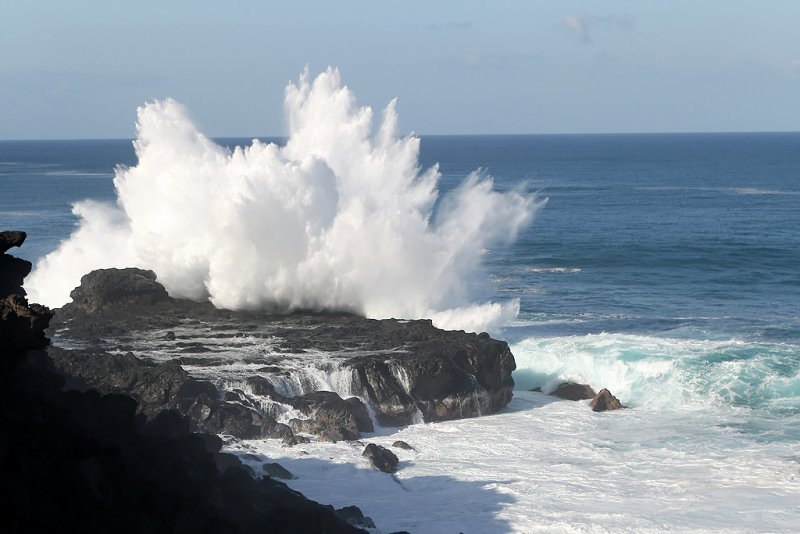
column 582, row 26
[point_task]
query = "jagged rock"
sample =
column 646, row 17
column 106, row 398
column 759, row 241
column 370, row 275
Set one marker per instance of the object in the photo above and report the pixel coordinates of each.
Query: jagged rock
column 278, row 471
column 574, row 392
column 273, row 429
column 333, row 415
column 13, row 238
column 354, row 516
column 12, row 273
column 405, row 371
column 22, row 325
column 403, row 445
column 79, row 461
column 381, row 457
column 235, row 420
column 605, row 401
column 164, row 387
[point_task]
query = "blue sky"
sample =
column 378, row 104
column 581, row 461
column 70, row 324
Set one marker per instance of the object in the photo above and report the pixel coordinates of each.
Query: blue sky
column 79, row 69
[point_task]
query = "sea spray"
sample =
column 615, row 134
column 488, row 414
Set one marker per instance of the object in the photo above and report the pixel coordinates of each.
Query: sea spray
column 338, row 218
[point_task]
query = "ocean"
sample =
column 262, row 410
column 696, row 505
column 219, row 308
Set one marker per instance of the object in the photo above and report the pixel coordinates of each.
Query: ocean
column 664, row 267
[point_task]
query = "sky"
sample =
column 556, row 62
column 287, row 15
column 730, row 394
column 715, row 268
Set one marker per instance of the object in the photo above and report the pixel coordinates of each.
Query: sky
column 80, row 69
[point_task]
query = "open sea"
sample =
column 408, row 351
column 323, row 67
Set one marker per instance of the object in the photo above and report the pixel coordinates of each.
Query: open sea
column 664, row 267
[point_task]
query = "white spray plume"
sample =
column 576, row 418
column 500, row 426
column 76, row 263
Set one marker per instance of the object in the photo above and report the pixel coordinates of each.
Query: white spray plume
column 338, row 218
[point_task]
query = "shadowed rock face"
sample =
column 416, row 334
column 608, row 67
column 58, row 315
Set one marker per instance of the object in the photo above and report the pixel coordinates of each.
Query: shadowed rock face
column 405, row 371
column 12, row 270
column 86, row 462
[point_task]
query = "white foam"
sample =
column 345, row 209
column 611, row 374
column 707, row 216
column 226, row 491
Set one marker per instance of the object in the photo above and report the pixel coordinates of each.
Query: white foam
column 555, row 466
column 663, row 372
column 339, row 218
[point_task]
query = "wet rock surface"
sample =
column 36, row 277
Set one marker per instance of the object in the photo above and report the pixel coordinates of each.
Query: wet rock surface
column 604, row 401
column 86, row 462
column 305, row 371
column 381, row 457
column 574, row 392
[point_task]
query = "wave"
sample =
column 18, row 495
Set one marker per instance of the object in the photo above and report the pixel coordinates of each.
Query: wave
column 663, row 372
column 338, row 218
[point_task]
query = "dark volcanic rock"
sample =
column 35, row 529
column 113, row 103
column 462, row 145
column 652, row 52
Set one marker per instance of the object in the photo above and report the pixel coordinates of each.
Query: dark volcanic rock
column 335, row 416
column 605, row 401
column 84, row 462
column 22, row 325
column 354, row 516
column 574, row 392
column 381, row 457
column 406, row 371
column 12, row 270
column 163, row 387
column 402, row 445
column 119, row 288
column 278, row 471
column 13, row 238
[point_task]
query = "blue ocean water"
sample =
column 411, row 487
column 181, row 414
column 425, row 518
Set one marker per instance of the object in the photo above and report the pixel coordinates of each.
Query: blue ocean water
column 663, row 267
column 657, row 259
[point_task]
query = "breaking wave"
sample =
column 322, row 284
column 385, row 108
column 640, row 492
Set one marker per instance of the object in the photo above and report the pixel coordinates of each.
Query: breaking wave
column 341, row 217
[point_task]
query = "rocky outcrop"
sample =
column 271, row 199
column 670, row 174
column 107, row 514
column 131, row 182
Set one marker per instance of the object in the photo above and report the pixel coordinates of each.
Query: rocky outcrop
column 605, row 401
column 401, row 371
column 381, row 457
column 574, row 392
column 86, row 462
column 166, row 386
column 117, row 288
column 12, row 270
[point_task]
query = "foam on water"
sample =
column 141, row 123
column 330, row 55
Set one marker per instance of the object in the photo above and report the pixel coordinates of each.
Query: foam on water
column 338, row 218
column 667, row 372
column 545, row 465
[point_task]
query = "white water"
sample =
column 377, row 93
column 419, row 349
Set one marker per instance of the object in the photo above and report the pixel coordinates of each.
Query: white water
column 545, row 465
column 341, row 217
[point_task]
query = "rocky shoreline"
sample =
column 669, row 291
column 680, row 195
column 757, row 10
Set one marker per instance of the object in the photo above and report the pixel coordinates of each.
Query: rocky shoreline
column 87, row 462
column 323, row 376
column 132, row 370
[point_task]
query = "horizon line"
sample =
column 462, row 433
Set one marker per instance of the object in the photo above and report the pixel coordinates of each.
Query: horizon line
column 422, row 135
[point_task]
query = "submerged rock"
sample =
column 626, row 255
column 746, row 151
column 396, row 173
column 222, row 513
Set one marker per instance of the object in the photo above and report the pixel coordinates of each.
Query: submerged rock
column 381, row 457
column 604, row 401
column 574, row 392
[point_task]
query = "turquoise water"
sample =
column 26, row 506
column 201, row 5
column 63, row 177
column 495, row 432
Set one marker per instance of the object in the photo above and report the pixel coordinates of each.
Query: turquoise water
column 664, row 267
